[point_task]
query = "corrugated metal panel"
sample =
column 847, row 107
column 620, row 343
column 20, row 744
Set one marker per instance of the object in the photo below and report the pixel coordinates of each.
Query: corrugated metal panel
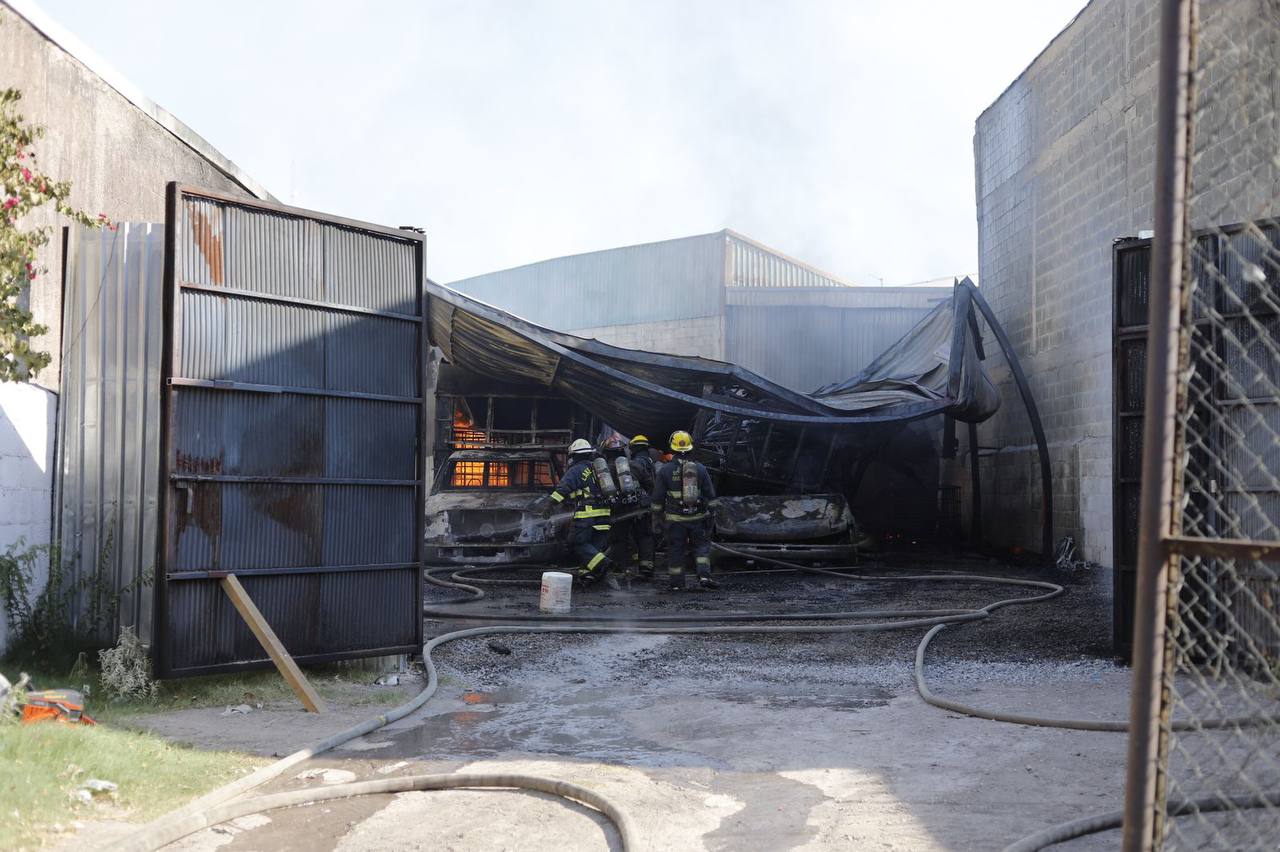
column 109, row 413
column 292, row 445
column 751, row 264
column 915, row 298
column 804, row 347
column 347, row 610
column 674, row 279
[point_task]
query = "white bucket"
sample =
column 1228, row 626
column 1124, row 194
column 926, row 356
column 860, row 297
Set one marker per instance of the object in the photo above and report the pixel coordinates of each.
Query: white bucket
column 557, row 586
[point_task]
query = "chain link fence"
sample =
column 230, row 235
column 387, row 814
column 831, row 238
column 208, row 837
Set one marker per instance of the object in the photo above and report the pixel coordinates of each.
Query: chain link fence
column 1218, row 767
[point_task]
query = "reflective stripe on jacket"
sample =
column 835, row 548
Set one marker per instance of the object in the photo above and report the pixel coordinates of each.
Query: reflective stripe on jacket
column 578, row 487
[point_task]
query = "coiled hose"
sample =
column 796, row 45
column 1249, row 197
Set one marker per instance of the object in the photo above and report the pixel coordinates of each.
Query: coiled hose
column 215, row 807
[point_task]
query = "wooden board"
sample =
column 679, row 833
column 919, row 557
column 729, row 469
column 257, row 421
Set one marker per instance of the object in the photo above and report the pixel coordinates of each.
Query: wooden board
column 267, row 637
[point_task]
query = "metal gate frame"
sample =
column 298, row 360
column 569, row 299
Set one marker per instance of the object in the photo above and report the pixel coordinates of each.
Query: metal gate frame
column 172, row 380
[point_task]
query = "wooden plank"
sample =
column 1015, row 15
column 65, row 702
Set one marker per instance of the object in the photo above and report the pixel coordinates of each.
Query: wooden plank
column 267, row 637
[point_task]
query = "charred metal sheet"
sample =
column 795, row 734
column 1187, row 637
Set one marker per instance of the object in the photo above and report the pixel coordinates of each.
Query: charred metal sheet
column 293, row 433
column 782, row 518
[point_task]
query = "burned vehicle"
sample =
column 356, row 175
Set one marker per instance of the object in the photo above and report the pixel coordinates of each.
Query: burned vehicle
column 483, row 508
column 809, row 527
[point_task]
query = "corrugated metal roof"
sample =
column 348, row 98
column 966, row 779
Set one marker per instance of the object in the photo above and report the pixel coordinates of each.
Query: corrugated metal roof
column 653, row 282
column 754, row 264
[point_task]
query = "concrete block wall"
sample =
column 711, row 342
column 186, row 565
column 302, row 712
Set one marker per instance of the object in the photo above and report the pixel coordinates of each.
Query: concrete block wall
column 27, row 418
column 117, row 157
column 1064, row 166
column 702, row 336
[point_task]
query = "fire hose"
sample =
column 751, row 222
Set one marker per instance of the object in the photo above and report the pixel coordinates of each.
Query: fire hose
column 216, row 806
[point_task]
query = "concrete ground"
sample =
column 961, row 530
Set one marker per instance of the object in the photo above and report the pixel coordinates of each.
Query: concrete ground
column 795, row 741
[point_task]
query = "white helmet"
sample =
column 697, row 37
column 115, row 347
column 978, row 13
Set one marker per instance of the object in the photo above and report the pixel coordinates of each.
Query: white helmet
column 582, row 445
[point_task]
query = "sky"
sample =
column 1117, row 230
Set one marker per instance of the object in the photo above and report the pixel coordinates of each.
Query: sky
column 838, row 132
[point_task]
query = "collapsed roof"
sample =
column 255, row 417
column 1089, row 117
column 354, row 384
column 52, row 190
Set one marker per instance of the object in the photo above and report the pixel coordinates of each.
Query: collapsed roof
column 936, row 368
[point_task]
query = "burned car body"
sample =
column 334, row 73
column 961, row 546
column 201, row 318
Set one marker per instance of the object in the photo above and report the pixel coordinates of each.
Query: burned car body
column 808, row 526
column 483, row 508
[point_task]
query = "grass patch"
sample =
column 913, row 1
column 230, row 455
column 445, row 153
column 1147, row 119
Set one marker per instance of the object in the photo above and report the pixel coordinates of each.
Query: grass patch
column 336, row 684
column 42, row 765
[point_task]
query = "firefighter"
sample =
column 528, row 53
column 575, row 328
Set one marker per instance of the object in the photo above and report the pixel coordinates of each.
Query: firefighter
column 589, row 537
column 683, row 493
column 632, row 522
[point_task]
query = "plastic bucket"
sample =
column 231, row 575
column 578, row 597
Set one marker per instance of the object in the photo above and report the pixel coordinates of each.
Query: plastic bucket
column 557, row 587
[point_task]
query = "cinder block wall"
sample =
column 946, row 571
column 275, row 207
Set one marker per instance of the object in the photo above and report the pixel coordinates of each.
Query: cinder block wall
column 1064, row 166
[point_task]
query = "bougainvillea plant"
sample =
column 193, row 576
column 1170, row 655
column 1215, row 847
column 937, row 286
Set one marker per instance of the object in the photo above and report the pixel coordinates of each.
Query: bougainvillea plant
column 23, row 189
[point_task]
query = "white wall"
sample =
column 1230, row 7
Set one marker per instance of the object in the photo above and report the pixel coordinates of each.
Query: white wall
column 27, row 416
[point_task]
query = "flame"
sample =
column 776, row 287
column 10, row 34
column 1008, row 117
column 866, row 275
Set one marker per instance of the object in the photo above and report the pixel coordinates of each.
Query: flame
column 467, row 474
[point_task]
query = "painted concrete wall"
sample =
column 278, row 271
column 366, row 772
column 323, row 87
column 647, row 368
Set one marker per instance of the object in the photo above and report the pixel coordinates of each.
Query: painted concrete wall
column 27, row 415
column 119, row 151
column 1064, row 166
column 117, row 157
column 691, row 336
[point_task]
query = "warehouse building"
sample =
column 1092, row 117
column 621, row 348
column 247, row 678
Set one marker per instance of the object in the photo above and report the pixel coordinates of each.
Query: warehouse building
column 720, row 295
column 1064, row 164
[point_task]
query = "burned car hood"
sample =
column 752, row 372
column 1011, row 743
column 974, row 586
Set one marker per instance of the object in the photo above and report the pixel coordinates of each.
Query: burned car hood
column 487, row 516
column 782, row 517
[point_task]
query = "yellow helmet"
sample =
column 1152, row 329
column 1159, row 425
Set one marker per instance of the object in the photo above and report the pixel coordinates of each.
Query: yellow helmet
column 681, row 442
column 639, row 441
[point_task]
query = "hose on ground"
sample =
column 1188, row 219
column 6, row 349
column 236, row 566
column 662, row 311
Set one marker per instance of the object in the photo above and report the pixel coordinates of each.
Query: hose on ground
column 927, row 695
column 198, row 820
column 216, row 807
column 1096, row 823
column 177, row 824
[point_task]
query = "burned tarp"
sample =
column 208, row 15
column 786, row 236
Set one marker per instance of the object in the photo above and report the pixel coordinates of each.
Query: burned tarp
column 938, row 360
column 935, row 369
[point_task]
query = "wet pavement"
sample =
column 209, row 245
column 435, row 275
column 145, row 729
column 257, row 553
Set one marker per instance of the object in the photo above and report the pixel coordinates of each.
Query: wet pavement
column 764, row 741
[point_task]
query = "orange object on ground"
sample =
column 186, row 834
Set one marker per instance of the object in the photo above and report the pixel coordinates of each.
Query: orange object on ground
column 55, row 705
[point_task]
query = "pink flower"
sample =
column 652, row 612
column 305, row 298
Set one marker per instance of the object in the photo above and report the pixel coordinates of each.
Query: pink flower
column 26, row 174
column 32, row 277
column 10, row 203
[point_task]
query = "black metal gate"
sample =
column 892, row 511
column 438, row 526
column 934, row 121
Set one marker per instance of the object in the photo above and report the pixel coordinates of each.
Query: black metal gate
column 293, row 434
column 1131, row 265
column 1230, row 461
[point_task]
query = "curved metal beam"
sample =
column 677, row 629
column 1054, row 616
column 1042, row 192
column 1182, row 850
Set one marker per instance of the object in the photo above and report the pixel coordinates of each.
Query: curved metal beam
column 1033, row 414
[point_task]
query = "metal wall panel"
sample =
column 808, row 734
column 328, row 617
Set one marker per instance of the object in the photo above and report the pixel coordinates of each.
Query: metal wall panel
column 292, row 449
column 804, row 347
column 674, row 279
column 109, row 414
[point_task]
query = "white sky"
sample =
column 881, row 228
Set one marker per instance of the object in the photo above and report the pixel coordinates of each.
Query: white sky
column 838, row 132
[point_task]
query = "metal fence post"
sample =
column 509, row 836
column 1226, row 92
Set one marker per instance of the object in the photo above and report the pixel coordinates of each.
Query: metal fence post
column 1156, row 515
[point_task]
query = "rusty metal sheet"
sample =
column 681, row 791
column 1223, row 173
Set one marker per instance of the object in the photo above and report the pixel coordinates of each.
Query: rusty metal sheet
column 292, row 436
